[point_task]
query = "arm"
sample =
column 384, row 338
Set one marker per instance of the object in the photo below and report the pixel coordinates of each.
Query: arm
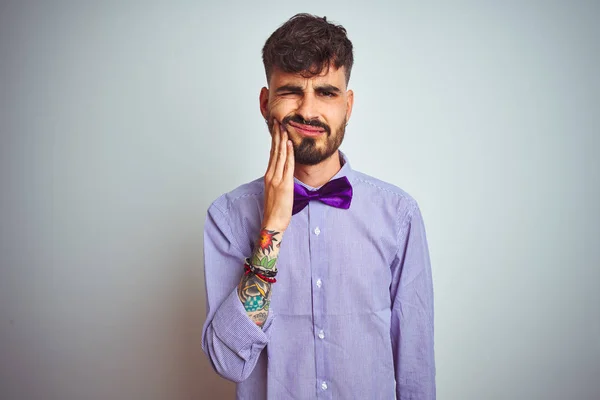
column 238, row 319
column 254, row 292
column 412, row 313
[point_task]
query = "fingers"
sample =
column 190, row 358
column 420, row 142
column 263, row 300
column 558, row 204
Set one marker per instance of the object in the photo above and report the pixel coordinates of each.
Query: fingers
column 282, row 153
column 274, row 150
column 288, row 172
column 272, row 145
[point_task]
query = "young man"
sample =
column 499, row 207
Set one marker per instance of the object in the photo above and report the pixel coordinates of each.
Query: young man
column 317, row 276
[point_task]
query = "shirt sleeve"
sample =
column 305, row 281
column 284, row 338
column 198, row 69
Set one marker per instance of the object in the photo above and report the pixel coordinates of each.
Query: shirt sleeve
column 412, row 313
column 231, row 340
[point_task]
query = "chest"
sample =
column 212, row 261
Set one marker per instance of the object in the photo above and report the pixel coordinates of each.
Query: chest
column 336, row 260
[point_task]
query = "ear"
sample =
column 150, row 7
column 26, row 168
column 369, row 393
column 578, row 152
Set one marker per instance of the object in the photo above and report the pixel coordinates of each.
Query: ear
column 263, row 100
column 349, row 104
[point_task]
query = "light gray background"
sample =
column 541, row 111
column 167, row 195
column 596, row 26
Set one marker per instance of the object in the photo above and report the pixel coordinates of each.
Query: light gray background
column 120, row 123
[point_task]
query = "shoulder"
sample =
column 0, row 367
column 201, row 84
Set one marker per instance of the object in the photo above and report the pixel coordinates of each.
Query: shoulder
column 384, row 202
column 366, row 185
column 243, row 196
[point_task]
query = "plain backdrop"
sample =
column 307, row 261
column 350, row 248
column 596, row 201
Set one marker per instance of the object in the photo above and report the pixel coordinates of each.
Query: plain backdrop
column 121, row 122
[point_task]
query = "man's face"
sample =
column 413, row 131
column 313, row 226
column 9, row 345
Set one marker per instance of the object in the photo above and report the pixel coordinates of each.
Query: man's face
column 314, row 111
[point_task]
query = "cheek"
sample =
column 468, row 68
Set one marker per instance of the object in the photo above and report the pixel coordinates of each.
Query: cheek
column 336, row 117
column 280, row 108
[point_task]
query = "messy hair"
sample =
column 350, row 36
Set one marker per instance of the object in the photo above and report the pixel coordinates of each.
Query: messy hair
column 308, row 45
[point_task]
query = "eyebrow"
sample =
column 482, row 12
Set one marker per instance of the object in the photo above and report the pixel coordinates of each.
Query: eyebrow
column 297, row 89
column 328, row 88
column 289, row 88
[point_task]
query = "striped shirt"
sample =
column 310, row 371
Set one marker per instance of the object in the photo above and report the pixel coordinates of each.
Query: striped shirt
column 351, row 313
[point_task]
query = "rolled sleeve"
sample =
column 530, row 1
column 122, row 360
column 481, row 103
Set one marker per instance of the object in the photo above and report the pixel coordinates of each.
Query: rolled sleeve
column 237, row 332
column 232, row 341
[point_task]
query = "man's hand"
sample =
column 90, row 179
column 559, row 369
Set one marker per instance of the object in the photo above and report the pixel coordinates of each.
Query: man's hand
column 255, row 292
column 279, row 181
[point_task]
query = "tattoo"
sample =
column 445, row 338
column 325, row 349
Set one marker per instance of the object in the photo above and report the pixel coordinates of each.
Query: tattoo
column 265, row 255
column 253, row 290
column 259, row 318
column 266, row 240
column 254, row 293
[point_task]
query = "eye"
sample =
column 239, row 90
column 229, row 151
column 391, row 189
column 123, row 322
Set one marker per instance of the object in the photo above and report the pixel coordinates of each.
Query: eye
column 328, row 94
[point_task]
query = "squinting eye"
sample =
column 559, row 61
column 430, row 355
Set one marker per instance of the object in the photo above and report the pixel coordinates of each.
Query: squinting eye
column 327, row 94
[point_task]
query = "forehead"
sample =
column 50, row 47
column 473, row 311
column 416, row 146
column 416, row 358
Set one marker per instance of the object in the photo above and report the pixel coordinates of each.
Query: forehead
column 330, row 76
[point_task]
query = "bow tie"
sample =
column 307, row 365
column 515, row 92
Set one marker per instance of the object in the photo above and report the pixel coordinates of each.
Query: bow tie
column 336, row 193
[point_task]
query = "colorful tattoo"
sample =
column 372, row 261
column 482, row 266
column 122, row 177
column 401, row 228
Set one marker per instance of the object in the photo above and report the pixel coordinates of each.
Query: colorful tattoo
column 259, row 318
column 266, row 239
column 255, row 293
column 254, row 303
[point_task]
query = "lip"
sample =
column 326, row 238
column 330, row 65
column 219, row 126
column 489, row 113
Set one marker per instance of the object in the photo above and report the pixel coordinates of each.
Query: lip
column 307, row 130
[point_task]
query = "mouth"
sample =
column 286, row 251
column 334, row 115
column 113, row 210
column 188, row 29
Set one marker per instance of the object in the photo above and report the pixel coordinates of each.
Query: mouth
column 307, row 130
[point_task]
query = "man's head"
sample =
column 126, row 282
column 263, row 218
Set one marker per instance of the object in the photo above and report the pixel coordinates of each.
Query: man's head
column 308, row 61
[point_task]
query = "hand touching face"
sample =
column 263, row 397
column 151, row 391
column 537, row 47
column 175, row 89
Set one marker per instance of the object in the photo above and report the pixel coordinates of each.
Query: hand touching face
column 279, row 182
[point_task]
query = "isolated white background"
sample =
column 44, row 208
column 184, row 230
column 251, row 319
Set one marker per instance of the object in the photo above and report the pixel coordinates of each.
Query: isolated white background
column 121, row 122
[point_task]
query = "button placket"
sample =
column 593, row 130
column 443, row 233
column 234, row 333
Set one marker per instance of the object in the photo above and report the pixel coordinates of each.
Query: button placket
column 318, row 262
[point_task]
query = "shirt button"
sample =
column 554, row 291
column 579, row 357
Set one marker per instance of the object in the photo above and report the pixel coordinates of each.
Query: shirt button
column 319, row 283
column 324, row 385
column 317, row 231
column 321, row 334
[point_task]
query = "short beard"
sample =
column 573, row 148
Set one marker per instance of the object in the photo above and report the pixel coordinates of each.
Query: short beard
column 307, row 153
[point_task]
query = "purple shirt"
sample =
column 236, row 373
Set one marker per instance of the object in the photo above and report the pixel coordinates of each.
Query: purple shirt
column 351, row 313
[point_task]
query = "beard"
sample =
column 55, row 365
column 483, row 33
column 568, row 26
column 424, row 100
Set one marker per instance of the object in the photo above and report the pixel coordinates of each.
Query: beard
column 307, row 152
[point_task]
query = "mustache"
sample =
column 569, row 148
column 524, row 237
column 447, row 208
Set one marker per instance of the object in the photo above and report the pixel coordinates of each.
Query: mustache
column 312, row 122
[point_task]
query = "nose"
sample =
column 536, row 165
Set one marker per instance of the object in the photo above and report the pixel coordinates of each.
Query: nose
column 307, row 107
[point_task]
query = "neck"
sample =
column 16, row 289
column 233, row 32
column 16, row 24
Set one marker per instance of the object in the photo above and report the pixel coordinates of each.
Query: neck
column 320, row 174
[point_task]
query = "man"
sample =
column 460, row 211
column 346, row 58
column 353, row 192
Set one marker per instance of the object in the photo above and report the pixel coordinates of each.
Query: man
column 317, row 276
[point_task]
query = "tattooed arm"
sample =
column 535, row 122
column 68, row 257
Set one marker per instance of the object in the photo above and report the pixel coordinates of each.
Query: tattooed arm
column 254, row 292
column 232, row 337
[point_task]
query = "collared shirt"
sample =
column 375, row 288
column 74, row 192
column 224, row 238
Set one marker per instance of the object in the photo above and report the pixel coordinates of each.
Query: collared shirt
column 351, row 313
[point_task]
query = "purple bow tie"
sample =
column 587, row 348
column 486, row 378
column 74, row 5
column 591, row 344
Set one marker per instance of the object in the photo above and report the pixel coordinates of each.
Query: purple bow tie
column 336, row 193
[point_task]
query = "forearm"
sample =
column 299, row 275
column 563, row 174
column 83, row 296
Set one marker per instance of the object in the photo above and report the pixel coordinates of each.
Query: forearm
column 232, row 341
column 255, row 292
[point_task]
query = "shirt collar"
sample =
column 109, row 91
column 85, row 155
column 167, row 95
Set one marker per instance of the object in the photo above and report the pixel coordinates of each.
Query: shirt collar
column 346, row 171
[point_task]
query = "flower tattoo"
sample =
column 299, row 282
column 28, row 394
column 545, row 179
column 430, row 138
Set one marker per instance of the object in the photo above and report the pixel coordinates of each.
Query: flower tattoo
column 266, row 240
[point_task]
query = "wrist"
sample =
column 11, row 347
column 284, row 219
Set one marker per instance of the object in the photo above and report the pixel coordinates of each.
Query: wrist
column 266, row 275
column 268, row 242
column 274, row 228
column 266, row 250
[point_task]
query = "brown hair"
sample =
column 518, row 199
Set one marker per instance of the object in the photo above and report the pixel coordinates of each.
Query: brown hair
column 308, row 44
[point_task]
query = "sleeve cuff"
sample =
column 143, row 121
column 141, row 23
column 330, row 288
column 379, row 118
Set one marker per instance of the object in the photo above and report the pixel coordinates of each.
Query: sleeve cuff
column 235, row 329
